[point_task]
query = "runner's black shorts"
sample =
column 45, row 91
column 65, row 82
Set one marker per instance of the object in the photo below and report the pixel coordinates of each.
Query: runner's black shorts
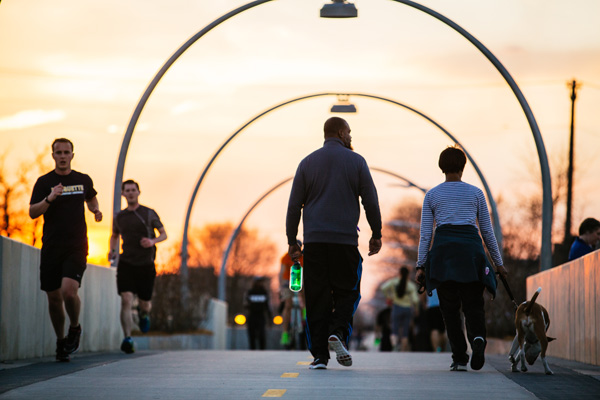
column 137, row 279
column 58, row 262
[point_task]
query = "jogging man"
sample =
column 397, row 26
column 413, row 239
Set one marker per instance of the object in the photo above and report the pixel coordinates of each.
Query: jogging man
column 59, row 196
column 135, row 270
column 326, row 190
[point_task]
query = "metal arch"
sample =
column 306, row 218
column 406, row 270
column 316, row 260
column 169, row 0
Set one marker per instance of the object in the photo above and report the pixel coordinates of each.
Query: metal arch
column 409, row 183
column 144, row 99
column 184, row 241
column 236, row 232
column 142, row 103
column 546, row 251
column 546, row 248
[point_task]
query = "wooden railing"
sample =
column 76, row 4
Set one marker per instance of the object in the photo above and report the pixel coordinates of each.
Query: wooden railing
column 571, row 294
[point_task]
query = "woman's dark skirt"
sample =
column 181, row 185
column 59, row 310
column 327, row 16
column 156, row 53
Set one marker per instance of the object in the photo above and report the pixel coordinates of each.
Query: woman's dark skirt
column 457, row 254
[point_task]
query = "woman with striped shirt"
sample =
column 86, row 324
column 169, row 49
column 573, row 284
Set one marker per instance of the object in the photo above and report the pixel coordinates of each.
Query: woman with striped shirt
column 456, row 264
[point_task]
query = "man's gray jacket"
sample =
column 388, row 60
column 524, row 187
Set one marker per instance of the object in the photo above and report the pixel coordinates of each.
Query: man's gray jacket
column 327, row 185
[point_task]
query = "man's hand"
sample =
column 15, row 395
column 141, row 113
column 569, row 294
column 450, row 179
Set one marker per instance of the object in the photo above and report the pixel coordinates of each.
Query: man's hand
column 294, row 252
column 97, row 215
column 374, row 246
column 94, row 208
column 56, row 191
column 147, row 242
column 502, row 271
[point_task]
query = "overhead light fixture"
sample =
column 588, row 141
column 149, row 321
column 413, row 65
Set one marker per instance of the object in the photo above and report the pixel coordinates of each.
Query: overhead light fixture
column 343, row 108
column 339, row 9
column 343, row 105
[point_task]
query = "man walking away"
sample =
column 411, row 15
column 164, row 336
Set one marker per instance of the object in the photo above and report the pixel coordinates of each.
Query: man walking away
column 326, row 190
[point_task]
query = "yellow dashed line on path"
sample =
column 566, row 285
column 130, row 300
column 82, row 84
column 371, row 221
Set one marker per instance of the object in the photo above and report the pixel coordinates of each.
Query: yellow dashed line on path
column 281, row 392
column 274, row 393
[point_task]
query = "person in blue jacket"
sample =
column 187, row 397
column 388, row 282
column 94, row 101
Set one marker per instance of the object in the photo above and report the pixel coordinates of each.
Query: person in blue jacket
column 589, row 235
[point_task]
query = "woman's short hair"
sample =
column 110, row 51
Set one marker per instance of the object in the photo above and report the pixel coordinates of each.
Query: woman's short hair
column 452, row 160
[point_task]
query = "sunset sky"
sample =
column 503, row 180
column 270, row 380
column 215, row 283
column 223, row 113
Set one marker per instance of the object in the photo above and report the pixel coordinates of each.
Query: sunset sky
column 77, row 69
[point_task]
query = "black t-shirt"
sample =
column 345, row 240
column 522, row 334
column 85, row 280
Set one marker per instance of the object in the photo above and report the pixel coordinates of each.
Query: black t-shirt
column 64, row 221
column 133, row 226
column 258, row 304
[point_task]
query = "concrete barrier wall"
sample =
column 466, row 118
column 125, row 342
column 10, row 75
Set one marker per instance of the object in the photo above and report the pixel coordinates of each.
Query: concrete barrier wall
column 217, row 323
column 571, row 294
column 25, row 327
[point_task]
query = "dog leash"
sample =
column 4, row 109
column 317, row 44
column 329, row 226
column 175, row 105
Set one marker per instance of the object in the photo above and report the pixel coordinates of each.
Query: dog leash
column 508, row 290
column 421, row 288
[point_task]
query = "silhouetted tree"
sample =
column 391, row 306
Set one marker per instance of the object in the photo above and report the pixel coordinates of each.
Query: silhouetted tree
column 401, row 235
column 15, row 191
column 251, row 255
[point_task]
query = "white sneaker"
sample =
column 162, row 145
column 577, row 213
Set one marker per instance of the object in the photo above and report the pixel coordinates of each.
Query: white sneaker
column 342, row 355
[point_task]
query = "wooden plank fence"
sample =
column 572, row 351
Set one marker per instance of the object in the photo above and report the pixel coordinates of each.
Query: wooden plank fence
column 571, row 294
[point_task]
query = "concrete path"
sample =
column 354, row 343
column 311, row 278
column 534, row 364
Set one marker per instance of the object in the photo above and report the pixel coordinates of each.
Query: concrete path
column 254, row 375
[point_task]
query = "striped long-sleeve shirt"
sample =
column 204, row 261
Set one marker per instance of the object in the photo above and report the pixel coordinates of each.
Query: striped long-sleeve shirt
column 456, row 203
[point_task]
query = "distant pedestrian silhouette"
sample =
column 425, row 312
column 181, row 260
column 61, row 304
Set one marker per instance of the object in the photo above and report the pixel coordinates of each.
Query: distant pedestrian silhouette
column 259, row 313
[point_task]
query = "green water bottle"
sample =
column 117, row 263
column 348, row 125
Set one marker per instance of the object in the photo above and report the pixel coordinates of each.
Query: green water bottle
column 296, row 277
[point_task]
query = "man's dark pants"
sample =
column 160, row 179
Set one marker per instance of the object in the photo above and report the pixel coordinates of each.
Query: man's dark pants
column 257, row 333
column 469, row 296
column 332, row 275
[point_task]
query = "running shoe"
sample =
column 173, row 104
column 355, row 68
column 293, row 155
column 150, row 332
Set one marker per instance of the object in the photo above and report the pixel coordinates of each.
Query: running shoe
column 478, row 357
column 342, row 355
column 72, row 340
column 285, row 339
column 458, row 367
column 127, row 345
column 318, row 363
column 61, row 354
column 144, row 323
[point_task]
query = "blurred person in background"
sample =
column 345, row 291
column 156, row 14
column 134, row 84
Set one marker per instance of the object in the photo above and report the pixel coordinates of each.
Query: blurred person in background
column 588, row 239
column 405, row 301
column 259, row 313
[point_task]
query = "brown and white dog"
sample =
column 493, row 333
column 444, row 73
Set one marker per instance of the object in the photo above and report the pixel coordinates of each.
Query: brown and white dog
column 532, row 322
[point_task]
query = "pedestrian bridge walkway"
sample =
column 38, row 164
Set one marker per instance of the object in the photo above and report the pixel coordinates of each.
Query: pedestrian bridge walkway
column 208, row 374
